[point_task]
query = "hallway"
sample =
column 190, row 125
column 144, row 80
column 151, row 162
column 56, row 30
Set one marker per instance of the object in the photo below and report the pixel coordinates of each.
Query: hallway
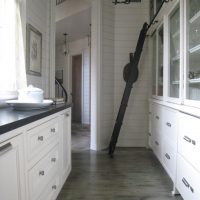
column 133, row 174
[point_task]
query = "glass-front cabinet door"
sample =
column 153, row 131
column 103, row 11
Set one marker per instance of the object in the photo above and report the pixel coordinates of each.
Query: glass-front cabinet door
column 174, row 53
column 154, row 65
column 192, row 77
column 160, row 37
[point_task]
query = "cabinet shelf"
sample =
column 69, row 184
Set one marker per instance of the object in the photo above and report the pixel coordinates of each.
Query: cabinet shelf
column 176, row 58
column 194, row 81
column 175, row 82
column 195, row 17
column 177, row 33
column 194, row 49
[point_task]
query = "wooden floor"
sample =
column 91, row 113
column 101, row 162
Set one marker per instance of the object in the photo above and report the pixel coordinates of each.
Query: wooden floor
column 133, row 174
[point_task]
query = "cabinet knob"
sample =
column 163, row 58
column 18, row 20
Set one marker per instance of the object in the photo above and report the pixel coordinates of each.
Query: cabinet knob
column 149, row 134
column 41, row 173
column 54, row 187
column 53, row 160
column 67, row 115
column 40, row 138
column 53, row 130
column 156, row 143
column 168, row 124
column 157, row 117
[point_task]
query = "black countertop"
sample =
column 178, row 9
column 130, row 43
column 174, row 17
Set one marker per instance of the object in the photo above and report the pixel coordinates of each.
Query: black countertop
column 11, row 119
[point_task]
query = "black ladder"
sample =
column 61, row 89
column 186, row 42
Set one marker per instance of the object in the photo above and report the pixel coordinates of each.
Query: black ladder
column 130, row 76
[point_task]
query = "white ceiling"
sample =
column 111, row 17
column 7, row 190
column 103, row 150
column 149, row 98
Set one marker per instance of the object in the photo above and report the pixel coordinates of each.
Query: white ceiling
column 76, row 22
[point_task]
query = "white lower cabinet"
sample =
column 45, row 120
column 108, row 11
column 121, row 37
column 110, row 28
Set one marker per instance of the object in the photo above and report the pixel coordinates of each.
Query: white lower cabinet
column 188, row 180
column 66, row 145
column 35, row 164
column 11, row 169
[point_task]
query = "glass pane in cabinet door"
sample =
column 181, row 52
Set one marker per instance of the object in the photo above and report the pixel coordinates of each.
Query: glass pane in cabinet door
column 160, row 62
column 174, row 68
column 193, row 50
column 154, row 65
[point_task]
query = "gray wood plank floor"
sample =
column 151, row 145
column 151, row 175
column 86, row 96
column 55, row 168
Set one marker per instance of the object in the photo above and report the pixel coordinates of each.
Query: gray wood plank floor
column 133, row 174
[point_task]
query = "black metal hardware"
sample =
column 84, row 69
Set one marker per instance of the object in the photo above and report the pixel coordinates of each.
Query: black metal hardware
column 131, row 78
column 57, row 81
column 157, row 117
column 193, row 142
column 156, row 142
column 53, row 130
column 125, row 1
column 5, row 148
column 41, row 173
column 40, row 138
column 167, row 156
column 149, row 134
column 185, row 183
column 186, row 138
column 191, row 189
column 168, row 124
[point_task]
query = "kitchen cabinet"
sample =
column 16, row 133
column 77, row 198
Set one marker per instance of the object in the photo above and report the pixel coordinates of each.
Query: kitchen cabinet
column 66, row 145
column 36, row 162
column 192, row 59
column 12, row 172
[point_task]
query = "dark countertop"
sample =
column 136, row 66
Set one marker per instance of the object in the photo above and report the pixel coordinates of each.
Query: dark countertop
column 11, row 119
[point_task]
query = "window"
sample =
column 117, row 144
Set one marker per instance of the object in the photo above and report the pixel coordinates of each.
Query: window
column 12, row 56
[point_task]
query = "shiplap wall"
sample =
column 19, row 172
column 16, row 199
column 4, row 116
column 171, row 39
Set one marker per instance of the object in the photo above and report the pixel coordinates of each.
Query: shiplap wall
column 38, row 15
column 107, row 84
column 77, row 47
column 128, row 23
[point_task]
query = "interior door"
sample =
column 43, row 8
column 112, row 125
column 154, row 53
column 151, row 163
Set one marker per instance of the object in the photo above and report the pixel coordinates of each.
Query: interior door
column 76, row 88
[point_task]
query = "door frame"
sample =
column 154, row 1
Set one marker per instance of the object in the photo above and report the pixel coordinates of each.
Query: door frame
column 76, row 53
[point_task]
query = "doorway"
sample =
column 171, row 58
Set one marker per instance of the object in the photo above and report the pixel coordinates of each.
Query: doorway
column 77, row 89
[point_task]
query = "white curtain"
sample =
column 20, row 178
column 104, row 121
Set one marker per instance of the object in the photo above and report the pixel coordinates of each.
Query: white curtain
column 12, row 55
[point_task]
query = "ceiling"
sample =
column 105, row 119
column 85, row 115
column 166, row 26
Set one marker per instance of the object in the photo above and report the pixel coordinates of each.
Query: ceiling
column 77, row 26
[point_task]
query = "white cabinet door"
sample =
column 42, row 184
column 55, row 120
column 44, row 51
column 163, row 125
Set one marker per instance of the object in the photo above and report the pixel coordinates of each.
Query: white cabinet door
column 11, row 170
column 66, row 144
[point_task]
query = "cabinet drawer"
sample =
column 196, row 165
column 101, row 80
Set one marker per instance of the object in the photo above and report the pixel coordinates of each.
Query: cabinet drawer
column 157, row 118
column 39, row 137
column 156, row 145
column 52, row 189
column 189, row 139
column 188, row 180
column 43, row 172
column 170, row 127
column 169, row 159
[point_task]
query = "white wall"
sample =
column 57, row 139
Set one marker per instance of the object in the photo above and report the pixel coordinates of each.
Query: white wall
column 38, row 15
column 128, row 23
column 107, row 79
column 64, row 62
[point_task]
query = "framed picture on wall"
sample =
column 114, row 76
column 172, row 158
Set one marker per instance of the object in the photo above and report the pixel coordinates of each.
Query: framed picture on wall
column 33, row 51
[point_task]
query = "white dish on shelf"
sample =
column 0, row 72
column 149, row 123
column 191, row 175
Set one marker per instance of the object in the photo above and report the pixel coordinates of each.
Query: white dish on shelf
column 20, row 105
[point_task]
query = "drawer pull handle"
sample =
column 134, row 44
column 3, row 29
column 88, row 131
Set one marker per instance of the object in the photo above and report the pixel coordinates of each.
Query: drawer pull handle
column 185, row 183
column 40, row 138
column 5, row 148
column 168, row 124
column 41, row 173
column 186, row 138
column 192, row 190
column 156, row 143
column 53, row 130
column 53, row 160
column 193, row 142
column 54, row 187
column 157, row 117
column 67, row 115
column 167, row 156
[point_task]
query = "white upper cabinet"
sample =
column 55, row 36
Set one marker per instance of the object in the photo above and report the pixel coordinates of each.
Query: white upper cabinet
column 192, row 51
column 174, row 47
